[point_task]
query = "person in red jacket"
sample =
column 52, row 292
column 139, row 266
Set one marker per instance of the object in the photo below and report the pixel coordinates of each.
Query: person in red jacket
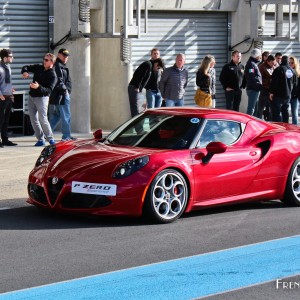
column 266, row 69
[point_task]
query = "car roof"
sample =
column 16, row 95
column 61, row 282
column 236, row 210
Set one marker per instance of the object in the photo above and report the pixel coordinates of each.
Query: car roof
column 207, row 113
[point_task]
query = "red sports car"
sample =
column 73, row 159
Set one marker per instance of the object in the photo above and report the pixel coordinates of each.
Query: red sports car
column 168, row 161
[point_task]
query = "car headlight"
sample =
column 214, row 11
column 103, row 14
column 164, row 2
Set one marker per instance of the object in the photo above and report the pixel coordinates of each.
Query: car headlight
column 47, row 151
column 129, row 167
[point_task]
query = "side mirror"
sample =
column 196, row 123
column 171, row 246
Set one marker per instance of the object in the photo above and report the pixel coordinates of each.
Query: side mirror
column 98, row 134
column 212, row 149
column 216, row 147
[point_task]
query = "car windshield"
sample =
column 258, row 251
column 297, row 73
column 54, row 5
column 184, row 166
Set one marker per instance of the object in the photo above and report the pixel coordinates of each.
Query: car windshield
column 157, row 131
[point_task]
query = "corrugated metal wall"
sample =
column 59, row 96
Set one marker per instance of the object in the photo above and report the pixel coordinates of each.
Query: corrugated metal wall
column 194, row 34
column 24, row 29
column 285, row 47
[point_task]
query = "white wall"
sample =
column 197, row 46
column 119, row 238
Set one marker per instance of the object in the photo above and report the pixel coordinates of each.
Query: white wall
column 100, row 80
column 109, row 77
column 79, row 65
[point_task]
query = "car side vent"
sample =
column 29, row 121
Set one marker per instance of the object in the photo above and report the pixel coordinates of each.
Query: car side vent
column 265, row 146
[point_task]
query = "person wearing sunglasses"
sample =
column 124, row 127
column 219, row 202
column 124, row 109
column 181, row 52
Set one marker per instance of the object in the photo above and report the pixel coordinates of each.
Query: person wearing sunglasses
column 43, row 82
column 60, row 100
column 6, row 95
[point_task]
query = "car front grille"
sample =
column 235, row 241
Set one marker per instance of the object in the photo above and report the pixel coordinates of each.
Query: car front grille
column 37, row 193
column 71, row 200
column 84, row 201
column 54, row 189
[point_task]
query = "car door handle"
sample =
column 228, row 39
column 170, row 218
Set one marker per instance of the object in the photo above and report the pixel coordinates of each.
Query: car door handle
column 252, row 153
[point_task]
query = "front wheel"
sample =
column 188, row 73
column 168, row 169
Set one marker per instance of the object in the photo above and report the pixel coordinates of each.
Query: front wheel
column 167, row 197
column 292, row 189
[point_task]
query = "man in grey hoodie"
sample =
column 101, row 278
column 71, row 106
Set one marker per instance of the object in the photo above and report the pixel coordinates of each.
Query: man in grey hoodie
column 6, row 95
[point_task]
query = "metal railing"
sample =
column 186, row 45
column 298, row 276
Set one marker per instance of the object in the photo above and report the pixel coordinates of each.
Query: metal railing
column 80, row 11
column 257, row 16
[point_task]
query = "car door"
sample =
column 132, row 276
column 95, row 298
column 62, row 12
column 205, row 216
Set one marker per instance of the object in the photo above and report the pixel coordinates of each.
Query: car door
column 229, row 173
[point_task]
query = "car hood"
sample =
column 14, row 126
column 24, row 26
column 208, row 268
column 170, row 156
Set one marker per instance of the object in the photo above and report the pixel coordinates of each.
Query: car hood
column 93, row 155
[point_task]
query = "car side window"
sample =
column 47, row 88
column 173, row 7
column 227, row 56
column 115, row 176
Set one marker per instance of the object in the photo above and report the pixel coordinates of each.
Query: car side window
column 223, row 131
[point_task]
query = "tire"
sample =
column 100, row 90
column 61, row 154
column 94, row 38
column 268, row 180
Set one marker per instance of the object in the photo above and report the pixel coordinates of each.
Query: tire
column 292, row 189
column 167, row 197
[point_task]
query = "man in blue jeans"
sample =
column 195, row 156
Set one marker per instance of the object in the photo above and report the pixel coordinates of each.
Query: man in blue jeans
column 173, row 82
column 153, row 95
column 254, row 80
column 59, row 105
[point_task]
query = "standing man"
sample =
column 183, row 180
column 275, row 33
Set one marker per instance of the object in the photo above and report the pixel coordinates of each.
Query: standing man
column 153, row 94
column 266, row 69
column 231, row 78
column 6, row 95
column 138, row 81
column 254, row 80
column 264, row 57
column 174, row 81
column 282, row 82
column 278, row 58
column 59, row 104
column 43, row 83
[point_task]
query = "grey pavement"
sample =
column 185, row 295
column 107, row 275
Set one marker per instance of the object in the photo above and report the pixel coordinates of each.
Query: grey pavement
column 16, row 162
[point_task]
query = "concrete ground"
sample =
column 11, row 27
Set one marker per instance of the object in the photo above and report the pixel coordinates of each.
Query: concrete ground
column 16, row 163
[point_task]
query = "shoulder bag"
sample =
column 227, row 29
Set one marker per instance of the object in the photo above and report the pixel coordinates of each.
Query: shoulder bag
column 203, row 99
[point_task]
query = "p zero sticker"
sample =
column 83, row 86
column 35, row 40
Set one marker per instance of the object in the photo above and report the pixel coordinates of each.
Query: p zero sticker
column 94, row 188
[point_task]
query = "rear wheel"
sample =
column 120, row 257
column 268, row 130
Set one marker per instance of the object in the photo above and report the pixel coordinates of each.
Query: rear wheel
column 167, row 197
column 292, row 189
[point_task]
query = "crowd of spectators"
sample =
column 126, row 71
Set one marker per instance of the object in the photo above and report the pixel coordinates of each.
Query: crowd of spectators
column 271, row 83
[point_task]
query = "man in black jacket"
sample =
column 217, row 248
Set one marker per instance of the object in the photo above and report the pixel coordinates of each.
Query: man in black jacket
column 153, row 95
column 231, row 78
column 282, row 82
column 254, row 80
column 59, row 105
column 137, row 83
column 43, row 82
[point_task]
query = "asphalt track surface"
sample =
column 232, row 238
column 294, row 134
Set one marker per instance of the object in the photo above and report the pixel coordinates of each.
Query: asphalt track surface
column 234, row 252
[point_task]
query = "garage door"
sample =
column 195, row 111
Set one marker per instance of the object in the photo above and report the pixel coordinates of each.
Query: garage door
column 195, row 35
column 24, row 29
